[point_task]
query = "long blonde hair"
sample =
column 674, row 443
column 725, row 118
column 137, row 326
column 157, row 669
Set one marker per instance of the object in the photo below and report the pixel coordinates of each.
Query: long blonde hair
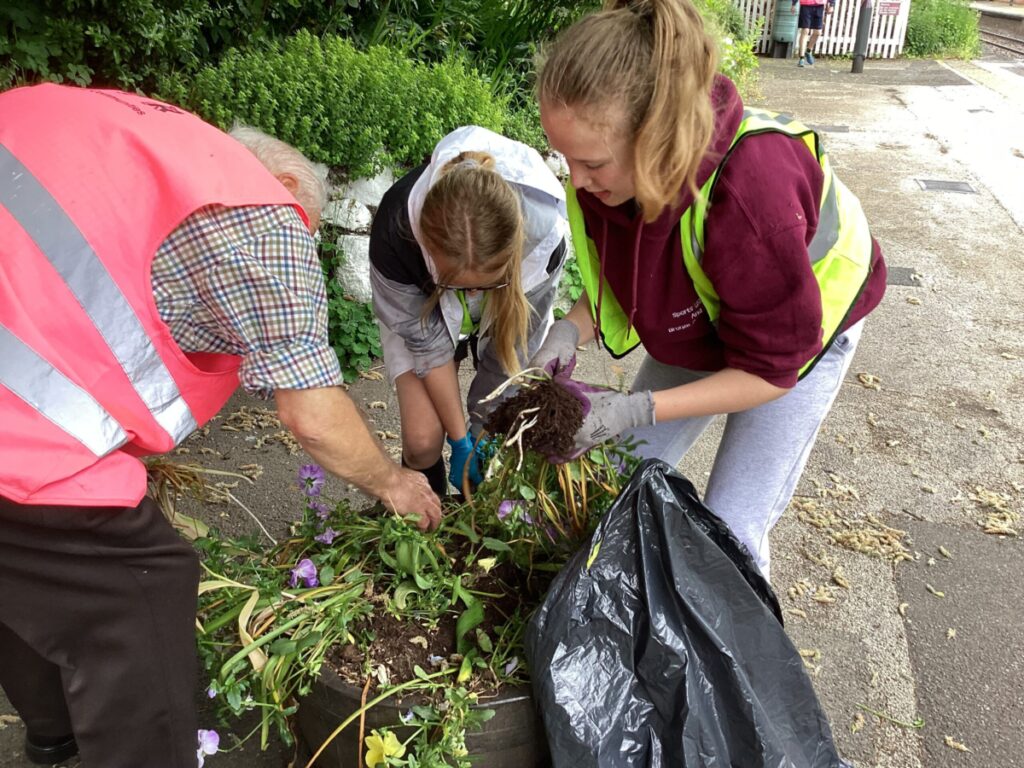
column 654, row 58
column 473, row 218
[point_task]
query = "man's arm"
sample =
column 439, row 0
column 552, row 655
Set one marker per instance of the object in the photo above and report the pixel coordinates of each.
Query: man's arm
column 331, row 429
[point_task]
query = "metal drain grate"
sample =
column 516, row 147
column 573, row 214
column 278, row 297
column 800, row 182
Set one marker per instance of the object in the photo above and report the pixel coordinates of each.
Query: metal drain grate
column 937, row 185
column 902, row 276
column 980, row 109
column 829, row 128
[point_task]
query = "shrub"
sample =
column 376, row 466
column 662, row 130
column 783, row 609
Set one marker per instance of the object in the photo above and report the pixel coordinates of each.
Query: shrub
column 129, row 43
column 942, row 28
column 523, row 124
column 357, row 111
column 735, row 43
column 123, row 43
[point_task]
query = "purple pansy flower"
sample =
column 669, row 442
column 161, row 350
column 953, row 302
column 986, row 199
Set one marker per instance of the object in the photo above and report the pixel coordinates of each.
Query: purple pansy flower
column 328, row 536
column 209, row 743
column 512, row 665
column 506, row 507
column 320, row 507
column 211, row 692
column 311, row 479
column 306, row 571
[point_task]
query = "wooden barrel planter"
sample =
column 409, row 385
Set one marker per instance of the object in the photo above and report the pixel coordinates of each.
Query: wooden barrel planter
column 513, row 738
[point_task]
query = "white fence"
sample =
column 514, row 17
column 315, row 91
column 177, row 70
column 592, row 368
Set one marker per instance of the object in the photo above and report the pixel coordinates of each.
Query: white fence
column 885, row 40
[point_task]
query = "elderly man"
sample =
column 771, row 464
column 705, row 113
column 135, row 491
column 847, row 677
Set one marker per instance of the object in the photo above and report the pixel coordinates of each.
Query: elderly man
column 148, row 264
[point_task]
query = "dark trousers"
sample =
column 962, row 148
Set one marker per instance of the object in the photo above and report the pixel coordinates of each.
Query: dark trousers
column 97, row 631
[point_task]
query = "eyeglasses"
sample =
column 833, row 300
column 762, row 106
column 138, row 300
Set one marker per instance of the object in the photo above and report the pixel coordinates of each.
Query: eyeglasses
column 472, row 289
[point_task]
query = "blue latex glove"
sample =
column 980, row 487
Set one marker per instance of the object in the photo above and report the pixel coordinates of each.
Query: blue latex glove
column 486, row 447
column 462, row 451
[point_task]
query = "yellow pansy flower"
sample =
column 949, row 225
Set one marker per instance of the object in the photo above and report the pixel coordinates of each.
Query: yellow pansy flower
column 380, row 747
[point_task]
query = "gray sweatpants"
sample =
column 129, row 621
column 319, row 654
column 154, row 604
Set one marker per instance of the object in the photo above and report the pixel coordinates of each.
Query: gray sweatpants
column 763, row 450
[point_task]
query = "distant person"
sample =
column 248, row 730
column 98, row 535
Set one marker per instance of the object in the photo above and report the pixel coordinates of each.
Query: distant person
column 719, row 238
column 149, row 263
column 810, row 23
column 466, row 255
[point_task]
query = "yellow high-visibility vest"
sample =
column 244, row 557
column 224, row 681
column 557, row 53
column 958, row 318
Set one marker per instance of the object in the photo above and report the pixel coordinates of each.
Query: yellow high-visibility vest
column 840, row 251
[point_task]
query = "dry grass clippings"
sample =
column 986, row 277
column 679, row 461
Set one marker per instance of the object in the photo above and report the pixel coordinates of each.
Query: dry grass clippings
column 1000, row 519
column 867, row 535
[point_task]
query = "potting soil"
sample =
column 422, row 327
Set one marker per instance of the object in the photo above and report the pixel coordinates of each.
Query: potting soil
column 558, row 413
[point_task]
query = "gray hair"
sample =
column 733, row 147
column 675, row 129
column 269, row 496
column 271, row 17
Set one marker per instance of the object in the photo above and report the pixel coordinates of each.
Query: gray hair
column 279, row 157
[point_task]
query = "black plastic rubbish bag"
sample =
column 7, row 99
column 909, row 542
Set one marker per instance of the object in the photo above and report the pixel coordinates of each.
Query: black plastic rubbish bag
column 660, row 644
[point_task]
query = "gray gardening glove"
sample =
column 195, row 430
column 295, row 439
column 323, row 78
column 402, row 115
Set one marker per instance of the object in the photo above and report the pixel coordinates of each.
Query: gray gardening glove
column 607, row 414
column 559, row 347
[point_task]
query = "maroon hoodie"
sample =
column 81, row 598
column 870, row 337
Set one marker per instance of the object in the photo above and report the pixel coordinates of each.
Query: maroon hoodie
column 763, row 215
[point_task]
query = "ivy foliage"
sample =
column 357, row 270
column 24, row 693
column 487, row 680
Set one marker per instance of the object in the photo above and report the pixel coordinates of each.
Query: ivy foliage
column 351, row 325
column 357, row 111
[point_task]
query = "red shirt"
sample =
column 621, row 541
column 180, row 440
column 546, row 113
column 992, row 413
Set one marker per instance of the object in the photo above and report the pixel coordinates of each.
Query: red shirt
column 762, row 217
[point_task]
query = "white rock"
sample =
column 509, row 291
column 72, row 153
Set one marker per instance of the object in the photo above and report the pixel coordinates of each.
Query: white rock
column 370, row 191
column 354, row 271
column 349, row 214
column 556, row 162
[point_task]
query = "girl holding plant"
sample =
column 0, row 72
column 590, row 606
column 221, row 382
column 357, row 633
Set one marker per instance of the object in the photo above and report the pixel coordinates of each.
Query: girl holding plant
column 466, row 254
column 718, row 237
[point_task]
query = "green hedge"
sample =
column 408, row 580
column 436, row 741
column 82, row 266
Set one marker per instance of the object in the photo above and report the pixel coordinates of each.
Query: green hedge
column 942, row 28
column 130, row 43
column 350, row 109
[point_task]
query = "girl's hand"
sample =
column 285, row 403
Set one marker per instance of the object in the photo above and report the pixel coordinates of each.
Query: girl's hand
column 559, row 348
column 608, row 414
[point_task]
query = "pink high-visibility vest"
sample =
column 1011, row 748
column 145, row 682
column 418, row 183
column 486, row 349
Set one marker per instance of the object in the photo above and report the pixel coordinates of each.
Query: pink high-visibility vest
column 91, row 183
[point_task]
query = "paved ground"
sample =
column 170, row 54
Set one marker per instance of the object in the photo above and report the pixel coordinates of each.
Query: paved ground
column 941, row 636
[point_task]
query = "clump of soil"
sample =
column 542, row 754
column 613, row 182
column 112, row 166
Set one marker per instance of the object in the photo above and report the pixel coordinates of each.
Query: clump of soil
column 559, row 417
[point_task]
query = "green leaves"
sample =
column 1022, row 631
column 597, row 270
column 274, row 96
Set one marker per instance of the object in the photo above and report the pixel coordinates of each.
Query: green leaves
column 356, row 110
column 942, row 28
column 470, row 619
column 351, row 326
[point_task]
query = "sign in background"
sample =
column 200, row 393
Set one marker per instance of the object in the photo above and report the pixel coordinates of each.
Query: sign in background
column 888, row 8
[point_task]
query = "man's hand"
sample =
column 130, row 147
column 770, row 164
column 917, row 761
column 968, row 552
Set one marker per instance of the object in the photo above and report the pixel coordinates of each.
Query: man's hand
column 410, row 495
column 608, row 413
column 462, row 452
column 331, row 429
column 559, row 347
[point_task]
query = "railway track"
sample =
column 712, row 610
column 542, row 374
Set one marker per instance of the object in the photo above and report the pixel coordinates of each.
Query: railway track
column 1010, row 43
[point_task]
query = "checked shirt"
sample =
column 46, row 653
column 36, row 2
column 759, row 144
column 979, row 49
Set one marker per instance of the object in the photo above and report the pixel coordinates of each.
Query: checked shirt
column 247, row 281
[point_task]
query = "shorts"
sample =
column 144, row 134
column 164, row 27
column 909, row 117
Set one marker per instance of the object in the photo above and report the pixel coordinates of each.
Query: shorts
column 812, row 17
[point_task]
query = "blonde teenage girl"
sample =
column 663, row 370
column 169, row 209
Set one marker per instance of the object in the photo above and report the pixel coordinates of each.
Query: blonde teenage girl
column 718, row 237
column 466, row 254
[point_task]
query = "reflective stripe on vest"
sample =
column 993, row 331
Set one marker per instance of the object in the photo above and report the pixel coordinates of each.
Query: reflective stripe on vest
column 63, row 402
column 63, row 245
